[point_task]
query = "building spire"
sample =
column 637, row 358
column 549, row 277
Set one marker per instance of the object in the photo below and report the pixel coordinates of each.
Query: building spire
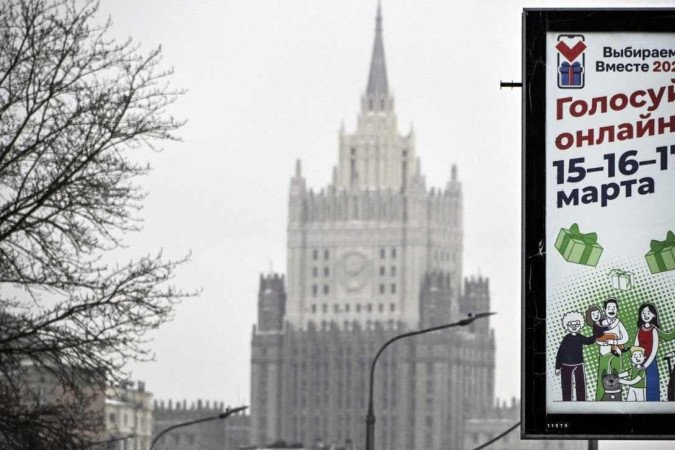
column 377, row 79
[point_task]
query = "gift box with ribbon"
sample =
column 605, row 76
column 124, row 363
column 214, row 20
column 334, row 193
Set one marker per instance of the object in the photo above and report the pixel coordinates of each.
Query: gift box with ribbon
column 621, row 279
column 577, row 247
column 661, row 256
column 570, row 74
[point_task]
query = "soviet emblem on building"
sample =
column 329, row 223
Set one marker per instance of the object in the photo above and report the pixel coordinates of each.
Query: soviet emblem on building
column 354, row 270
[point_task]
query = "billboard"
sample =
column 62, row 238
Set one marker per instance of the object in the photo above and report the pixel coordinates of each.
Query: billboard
column 599, row 223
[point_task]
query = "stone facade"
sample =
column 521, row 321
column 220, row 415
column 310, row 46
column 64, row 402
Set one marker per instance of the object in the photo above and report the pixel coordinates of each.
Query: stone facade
column 359, row 249
column 128, row 417
column 231, row 433
column 373, row 254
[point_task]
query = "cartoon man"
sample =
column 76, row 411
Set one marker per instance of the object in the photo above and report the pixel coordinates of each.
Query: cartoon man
column 607, row 360
column 635, row 377
column 569, row 363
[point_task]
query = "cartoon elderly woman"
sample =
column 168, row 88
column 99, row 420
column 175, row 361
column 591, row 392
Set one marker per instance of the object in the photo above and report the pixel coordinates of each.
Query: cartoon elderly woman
column 569, row 362
column 647, row 337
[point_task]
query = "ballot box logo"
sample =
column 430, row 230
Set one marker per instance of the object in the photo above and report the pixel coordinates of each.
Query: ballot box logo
column 571, row 61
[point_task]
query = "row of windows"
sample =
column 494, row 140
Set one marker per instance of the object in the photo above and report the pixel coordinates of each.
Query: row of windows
column 347, row 308
column 392, row 271
column 392, row 288
column 444, row 256
column 352, row 151
column 326, row 254
column 315, row 290
column 315, row 255
column 326, row 289
column 326, row 271
column 315, row 271
column 392, row 253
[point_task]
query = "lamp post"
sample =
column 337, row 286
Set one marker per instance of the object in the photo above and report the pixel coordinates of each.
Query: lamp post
column 370, row 418
column 224, row 415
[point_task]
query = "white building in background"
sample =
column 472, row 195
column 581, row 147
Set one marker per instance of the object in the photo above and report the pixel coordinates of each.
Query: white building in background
column 128, row 417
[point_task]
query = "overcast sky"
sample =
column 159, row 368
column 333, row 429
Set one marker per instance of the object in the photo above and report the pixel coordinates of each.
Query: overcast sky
column 271, row 81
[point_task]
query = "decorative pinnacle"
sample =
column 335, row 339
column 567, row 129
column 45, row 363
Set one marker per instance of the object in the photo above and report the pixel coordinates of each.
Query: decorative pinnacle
column 377, row 79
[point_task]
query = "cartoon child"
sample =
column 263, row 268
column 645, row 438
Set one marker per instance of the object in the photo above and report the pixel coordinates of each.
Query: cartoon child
column 569, row 362
column 635, row 377
column 600, row 324
column 609, row 362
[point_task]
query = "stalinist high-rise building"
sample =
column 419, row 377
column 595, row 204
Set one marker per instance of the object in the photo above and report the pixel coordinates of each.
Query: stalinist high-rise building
column 371, row 255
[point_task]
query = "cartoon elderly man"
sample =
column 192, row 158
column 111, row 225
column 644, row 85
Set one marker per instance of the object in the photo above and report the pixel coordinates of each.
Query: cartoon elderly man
column 607, row 360
column 569, row 362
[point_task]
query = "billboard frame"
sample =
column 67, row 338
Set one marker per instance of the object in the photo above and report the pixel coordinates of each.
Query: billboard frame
column 536, row 423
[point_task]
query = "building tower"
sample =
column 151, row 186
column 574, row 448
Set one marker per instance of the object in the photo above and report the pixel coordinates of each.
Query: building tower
column 358, row 249
column 372, row 254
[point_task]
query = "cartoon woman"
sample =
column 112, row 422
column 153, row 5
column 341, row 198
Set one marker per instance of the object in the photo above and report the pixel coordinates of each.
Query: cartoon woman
column 647, row 337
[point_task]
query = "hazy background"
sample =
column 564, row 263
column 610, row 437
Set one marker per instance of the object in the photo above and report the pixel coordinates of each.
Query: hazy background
column 271, row 81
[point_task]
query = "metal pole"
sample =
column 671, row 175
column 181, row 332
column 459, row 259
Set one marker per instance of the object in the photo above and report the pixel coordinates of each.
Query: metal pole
column 370, row 417
column 592, row 444
column 228, row 412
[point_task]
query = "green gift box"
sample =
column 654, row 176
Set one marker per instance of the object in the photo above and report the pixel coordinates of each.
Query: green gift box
column 577, row 247
column 621, row 279
column 661, row 256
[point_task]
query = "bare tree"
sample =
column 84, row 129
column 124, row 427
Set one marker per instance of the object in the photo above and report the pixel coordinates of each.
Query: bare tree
column 74, row 106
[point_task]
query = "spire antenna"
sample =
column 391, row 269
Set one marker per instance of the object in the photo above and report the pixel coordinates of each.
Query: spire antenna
column 377, row 78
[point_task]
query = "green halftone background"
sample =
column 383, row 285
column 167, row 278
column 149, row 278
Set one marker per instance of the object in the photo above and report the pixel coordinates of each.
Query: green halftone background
column 593, row 288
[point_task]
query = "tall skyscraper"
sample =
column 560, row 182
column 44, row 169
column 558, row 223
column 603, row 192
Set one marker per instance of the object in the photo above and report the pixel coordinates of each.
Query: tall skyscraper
column 371, row 255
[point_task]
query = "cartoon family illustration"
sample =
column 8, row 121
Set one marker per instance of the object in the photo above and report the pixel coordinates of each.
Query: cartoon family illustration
column 609, row 333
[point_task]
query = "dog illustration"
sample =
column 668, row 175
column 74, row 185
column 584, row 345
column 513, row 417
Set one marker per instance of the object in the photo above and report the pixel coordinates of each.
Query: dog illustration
column 610, row 382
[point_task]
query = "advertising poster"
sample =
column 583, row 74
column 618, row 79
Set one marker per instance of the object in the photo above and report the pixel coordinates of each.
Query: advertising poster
column 599, row 223
column 610, row 222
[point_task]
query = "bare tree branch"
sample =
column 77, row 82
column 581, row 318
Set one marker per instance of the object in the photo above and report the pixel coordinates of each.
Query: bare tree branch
column 74, row 107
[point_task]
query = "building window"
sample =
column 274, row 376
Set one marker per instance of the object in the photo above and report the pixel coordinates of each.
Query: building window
column 392, row 307
column 353, row 150
column 381, row 307
column 112, row 417
column 326, row 271
column 325, row 289
column 393, row 288
column 315, row 290
column 382, row 253
column 370, row 307
column 326, row 254
column 382, row 270
column 393, row 253
column 336, row 308
column 358, row 308
column 382, row 289
column 347, row 307
column 315, row 271
column 315, row 254
column 313, row 308
column 324, row 308
column 392, row 271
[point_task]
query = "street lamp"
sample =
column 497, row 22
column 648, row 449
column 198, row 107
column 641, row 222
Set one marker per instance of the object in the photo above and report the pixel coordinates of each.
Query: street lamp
column 370, row 418
column 224, row 415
